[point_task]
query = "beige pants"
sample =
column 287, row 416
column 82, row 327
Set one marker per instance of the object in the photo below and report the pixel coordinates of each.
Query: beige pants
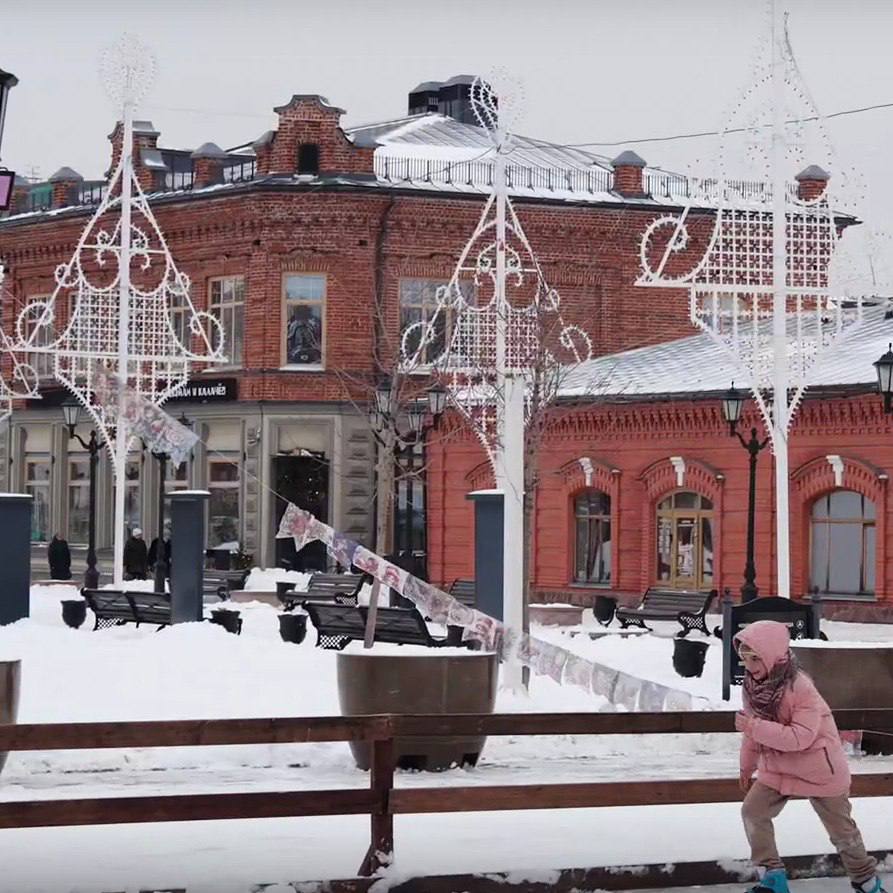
column 762, row 804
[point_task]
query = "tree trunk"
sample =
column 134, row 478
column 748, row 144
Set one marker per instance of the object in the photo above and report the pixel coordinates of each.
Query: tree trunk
column 384, row 501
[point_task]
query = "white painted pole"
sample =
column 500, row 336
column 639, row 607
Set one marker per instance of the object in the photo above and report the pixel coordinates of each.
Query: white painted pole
column 121, row 432
column 510, row 424
column 780, row 379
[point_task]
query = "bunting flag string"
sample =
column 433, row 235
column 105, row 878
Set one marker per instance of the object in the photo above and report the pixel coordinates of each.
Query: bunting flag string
column 543, row 658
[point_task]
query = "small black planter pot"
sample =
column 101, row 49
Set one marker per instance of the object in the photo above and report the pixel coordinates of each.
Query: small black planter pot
column 688, row 657
column 74, row 612
column 293, row 627
column 604, row 609
column 231, row 621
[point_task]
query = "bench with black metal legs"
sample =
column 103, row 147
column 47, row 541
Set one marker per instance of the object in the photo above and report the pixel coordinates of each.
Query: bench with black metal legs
column 114, row 607
column 336, row 625
column 221, row 583
column 464, row 591
column 335, row 588
column 688, row 608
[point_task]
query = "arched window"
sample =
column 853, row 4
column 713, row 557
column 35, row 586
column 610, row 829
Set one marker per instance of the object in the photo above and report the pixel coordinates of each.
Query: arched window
column 308, row 158
column 592, row 552
column 842, row 544
column 685, row 541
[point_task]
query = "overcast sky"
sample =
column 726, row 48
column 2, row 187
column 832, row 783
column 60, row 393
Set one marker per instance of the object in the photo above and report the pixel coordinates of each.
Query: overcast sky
column 594, row 70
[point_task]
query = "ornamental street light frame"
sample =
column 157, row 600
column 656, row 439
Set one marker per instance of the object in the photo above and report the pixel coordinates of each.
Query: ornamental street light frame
column 71, row 411
column 732, row 405
column 884, row 368
column 7, row 178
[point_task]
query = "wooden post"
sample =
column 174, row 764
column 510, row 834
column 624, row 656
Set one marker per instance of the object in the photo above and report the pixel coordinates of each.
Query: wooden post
column 370, row 616
column 381, row 781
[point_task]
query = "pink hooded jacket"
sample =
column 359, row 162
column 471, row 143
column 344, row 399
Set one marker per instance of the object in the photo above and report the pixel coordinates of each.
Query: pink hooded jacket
column 800, row 755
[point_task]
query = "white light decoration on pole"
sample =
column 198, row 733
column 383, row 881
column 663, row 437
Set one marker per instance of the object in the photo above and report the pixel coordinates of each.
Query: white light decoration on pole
column 765, row 289
column 126, row 293
column 496, row 338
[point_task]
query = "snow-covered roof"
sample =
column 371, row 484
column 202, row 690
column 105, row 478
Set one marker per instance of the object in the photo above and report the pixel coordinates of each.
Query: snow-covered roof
column 697, row 365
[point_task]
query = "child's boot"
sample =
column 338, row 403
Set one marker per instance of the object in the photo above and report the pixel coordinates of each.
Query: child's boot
column 774, row 881
column 870, row 886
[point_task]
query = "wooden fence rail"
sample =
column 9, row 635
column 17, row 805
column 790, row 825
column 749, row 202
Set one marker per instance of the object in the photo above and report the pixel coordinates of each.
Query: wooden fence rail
column 381, row 801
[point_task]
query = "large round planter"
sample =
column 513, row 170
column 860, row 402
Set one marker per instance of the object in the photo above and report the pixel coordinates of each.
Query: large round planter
column 688, row 657
column 74, row 612
column 419, row 683
column 858, row 676
column 10, row 682
column 230, row 620
column 604, row 609
column 292, row 628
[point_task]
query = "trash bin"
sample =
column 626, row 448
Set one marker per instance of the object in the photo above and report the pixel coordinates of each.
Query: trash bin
column 74, row 612
column 604, row 608
column 293, row 627
column 688, row 657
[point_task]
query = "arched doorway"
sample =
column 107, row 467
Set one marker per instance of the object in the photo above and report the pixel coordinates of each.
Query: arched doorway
column 843, row 545
column 685, row 552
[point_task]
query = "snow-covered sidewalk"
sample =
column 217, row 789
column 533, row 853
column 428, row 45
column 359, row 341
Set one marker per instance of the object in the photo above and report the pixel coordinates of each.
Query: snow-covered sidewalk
column 199, row 670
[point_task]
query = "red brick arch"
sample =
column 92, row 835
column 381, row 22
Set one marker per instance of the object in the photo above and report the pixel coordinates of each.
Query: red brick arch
column 659, row 480
column 481, row 477
column 816, row 478
column 590, row 473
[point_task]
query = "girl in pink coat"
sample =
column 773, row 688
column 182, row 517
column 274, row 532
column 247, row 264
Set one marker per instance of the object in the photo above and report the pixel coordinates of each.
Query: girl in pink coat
column 791, row 741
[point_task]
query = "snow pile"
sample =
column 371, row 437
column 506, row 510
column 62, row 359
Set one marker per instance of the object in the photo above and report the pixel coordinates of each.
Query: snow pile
column 262, row 578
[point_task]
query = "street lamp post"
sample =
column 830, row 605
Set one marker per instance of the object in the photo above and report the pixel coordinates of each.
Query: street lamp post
column 7, row 178
column 71, row 410
column 884, row 368
column 732, row 404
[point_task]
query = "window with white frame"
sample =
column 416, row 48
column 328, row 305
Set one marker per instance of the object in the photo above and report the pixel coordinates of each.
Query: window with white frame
column 224, row 485
column 180, row 316
column 418, row 304
column 44, row 334
column 592, row 527
column 305, row 301
column 227, row 304
column 843, row 545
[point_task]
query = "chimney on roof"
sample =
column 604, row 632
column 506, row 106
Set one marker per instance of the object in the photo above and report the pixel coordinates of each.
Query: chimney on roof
column 628, row 179
column 207, row 165
column 145, row 139
column 811, row 183
column 451, row 98
column 66, row 187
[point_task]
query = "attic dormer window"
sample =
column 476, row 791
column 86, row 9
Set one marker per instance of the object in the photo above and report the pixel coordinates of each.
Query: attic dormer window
column 308, row 158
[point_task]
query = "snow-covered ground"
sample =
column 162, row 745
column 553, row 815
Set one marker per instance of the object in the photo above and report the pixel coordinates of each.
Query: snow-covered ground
column 199, row 670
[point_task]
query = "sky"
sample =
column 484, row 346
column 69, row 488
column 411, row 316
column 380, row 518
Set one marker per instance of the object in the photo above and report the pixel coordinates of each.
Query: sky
column 593, row 70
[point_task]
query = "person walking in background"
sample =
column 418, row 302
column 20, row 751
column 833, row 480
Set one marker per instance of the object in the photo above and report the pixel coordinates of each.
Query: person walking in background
column 136, row 556
column 791, row 740
column 165, row 554
column 59, row 556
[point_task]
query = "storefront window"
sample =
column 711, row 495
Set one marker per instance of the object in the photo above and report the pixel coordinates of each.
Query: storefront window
column 79, row 500
column 592, row 520
column 685, row 541
column 842, row 553
column 37, row 484
column 223, row 511
column 133, row 503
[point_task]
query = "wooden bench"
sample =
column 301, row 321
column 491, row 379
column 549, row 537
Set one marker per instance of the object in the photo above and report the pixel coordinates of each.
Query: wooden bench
column 688, row 608
column 464, row 591
column 334, row 588
column 219, row 582
column 114, row 607
column 336, row 625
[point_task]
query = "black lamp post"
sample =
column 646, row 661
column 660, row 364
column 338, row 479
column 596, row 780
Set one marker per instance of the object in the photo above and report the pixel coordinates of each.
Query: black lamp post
column 732, row 404
column 161, row 568
column 884, row 368
column 7, row 178
column 71, row 411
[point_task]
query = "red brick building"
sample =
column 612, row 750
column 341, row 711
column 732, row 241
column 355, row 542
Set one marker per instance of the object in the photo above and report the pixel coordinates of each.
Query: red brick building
column 642, row 485
column 314, row 245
